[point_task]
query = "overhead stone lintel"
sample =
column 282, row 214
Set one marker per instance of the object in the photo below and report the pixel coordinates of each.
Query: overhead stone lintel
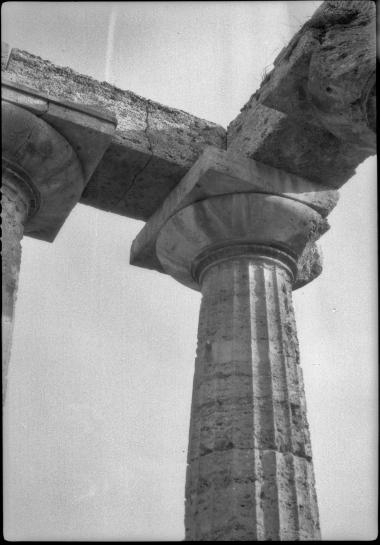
column 217, row 172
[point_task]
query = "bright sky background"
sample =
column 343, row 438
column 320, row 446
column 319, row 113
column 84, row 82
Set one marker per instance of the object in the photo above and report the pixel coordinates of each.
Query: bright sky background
column 98, row 403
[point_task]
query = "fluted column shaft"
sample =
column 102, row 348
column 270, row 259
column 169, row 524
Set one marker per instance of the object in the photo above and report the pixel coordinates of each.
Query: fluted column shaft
column 250, row 473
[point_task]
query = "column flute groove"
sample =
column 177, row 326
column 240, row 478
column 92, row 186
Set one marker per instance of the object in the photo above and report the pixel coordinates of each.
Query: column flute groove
column 288, row 387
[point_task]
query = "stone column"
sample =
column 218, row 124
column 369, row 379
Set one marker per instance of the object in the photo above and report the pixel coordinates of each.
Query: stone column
column 18, row 201
column 249, row 442
column 44, row 171
column 250, row 472
column 39, row 170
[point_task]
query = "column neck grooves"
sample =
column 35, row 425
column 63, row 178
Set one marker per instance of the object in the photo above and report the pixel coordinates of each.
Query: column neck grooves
column 219, row 253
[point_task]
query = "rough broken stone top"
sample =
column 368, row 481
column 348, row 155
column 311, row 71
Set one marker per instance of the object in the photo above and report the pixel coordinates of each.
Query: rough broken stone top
column 244, row 189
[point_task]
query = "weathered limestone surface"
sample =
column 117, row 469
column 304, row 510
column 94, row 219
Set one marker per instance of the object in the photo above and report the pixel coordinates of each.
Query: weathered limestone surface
column 314, row 114
column 16, row 197
column 250, row 473
column 243, row 232
column 152, row 148
column 49, row 164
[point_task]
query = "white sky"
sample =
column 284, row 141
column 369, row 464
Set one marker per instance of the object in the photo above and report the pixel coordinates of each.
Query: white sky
column 98, row 403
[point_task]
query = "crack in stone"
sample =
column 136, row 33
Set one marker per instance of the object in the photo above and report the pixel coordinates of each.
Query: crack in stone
column 150, row 147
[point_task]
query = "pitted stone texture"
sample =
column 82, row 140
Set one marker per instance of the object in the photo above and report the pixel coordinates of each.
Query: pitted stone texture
column 250, row 473
column 14, row 213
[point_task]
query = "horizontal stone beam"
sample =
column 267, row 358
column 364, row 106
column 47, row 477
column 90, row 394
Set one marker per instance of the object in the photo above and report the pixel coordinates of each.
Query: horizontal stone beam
column 152, row 149
column 314, row 114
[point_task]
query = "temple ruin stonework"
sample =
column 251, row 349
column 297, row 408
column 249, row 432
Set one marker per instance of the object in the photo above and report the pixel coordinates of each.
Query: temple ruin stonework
column 235, row 214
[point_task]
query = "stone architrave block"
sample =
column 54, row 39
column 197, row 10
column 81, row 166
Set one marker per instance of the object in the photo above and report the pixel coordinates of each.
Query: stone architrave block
column 218, row 172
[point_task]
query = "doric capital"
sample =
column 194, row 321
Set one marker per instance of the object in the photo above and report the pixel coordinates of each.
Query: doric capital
column 235, row 226
column 218, row 177
column 49, row 150
column 40, row 161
